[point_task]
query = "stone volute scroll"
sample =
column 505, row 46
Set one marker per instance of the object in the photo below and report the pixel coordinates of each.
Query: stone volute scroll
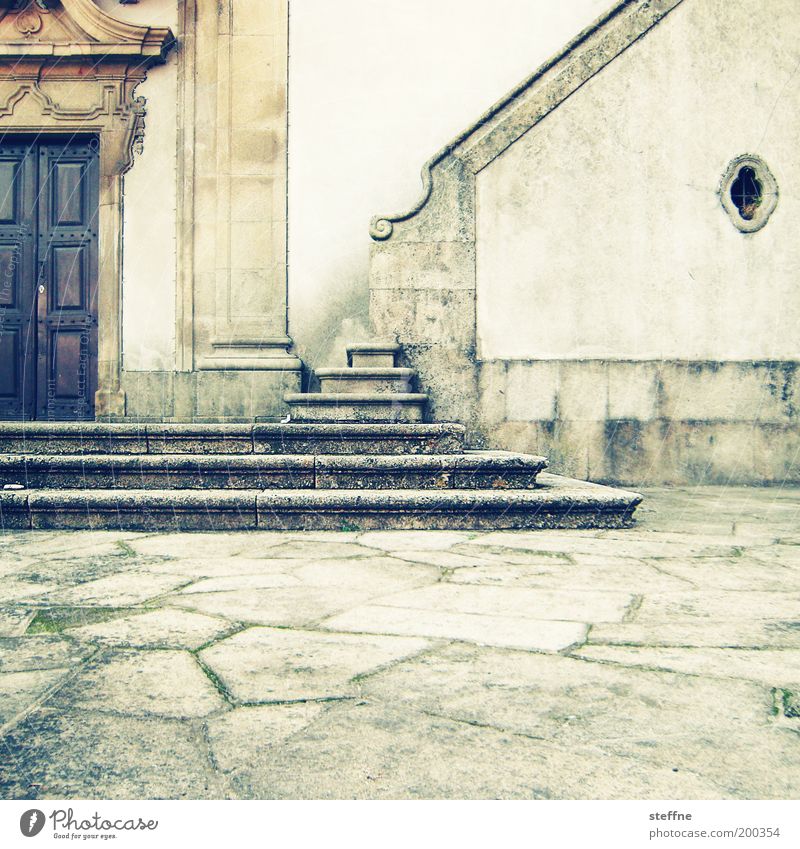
column 69, row 68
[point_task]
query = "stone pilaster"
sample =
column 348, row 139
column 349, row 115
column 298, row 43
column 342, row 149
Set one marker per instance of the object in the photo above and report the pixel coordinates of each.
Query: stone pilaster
column 239, row 299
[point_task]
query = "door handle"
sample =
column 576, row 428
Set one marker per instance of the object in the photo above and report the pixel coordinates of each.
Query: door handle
column 41, row 289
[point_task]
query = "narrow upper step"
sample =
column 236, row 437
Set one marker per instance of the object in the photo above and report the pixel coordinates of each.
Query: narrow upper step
column 361, row 380
column 373, row 354
column 352, row 407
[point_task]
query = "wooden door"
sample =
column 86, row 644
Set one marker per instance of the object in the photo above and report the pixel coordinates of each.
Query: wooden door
column 48, row 249
column 18, row 189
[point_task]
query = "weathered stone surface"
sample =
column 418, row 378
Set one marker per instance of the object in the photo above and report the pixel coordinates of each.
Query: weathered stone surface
column 53, row 546
column 558, row 502
column 575, row 606
column 746, row 573
column 770, row 667
column 118, row 590
column 21, row 691
column 14, row 622
column 500, row 702
column 644, row 544
column 200, row 439
column 372, row 354
column 165, row 628
column 351, row 407
column 57, row 754
column 71, row 438
column 293, row 607
column 374, row 751
column 132, row 509
column 562, row 699
column 719, row 606
column 349, row 438
column 269, row 664
column 14, row 512
column 485, row 629
column 473, row 470
column 202, row 471
column 12, row 589
column 361, row 380
column 550, row 572
column 137, row 683
column 371, row 575
column 306, row 547
column 417, row 540
column 701, row 633
column 252, row 735
column 32, row 654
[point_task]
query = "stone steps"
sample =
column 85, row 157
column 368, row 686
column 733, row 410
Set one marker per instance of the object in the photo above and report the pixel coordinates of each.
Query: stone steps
column 474, row 470
column 373, row 354
column 371, row 389
column 80, row 438
column 397, row 407
column 365, row 380
column 556, row 503
column 347, row 460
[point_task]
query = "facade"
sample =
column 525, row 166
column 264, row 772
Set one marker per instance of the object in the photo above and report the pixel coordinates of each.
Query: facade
column 601, row 270
column 169, row 294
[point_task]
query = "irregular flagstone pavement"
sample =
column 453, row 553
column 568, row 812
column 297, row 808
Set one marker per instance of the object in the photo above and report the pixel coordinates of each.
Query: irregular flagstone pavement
column 661, row 662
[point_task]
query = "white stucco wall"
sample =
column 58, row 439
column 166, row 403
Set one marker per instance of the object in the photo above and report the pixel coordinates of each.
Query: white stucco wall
column 150, row 224
column 600, row 233
column 375, row 89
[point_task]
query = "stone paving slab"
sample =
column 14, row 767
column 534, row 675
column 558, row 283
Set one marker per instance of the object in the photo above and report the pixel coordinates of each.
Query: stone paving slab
column 163, row 628
column 293, row 607
column 28, row 654
column 162, row 683
column 512, row 632
column 277, row 665
column 13, row 623
column 765, row 633
column 375, row 751
column 565, row 699
column 118, row 590
column 770, row 667
column 65, row 754
column 20, row 691
column 662, row 661
column 719, row 606
column 576, row 606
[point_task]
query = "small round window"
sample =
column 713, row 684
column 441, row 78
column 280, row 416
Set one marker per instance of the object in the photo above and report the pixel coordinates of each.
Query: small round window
column 749, row 193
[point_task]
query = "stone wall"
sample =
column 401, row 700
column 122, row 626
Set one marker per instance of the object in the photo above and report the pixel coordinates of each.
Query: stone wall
column 205, row 300
column 570, row 282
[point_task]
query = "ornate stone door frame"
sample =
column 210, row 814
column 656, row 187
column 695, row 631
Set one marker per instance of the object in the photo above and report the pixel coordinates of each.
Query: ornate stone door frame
column 68, row 68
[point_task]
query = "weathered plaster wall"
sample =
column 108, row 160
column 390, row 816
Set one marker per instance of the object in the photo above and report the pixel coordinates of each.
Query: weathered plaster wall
column 150, row 222
column 572, row 285
column 600, row 234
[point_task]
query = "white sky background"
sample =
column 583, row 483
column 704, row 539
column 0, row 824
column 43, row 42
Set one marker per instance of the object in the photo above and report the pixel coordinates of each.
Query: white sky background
column 376, row 88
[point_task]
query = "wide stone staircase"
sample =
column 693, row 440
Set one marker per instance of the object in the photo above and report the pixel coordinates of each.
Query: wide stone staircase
column 356, row 455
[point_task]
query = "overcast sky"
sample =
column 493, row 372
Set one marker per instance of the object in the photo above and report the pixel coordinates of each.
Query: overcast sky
column 376, row 88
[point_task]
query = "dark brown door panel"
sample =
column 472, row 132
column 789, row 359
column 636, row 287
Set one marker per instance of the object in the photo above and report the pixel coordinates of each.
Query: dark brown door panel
column 18, row 192
column 49, row 205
